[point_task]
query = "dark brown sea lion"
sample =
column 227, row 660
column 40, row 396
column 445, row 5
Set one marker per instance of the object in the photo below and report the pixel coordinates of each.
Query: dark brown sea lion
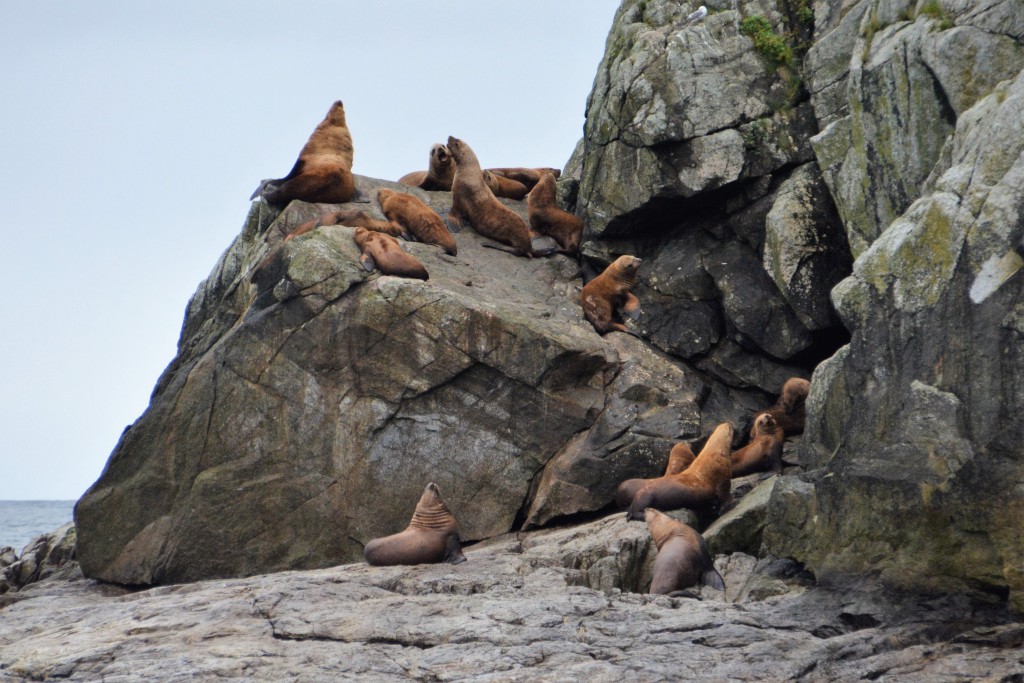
column 431, row 537
column 527, row 176
column 386, row 254
column 764, row 452
column 789, row 411
column 474, row 203
column 417, row 218
column 704, row 485
column 609, row 293
column 355, row 218
column 547, row 218
column 323, row 171
column 441, row 173
column 683, row 559
column 679, row 458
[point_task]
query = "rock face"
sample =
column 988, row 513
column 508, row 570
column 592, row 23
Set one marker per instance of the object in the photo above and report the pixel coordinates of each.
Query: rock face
column 45, row 556
column 547, row 605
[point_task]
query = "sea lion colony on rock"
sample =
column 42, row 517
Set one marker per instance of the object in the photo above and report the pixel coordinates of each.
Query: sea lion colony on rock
column 322, row 174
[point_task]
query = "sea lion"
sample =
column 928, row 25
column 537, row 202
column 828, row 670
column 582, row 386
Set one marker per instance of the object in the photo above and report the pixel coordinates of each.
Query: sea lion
column 475, row 203
column 764, row 452
column 441, row 173
column 609, row 293
column 679, row 458
column 789, row 410
column 704, row 485
column 354, row 218
column 547, row 218
column 323, row 171
column 527, row 176
column 431, row 537
column 683, row 558
column 386, row 254
column 420, row 220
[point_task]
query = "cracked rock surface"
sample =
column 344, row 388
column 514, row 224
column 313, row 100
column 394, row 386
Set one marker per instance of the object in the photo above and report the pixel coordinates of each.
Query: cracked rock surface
column 548, row 605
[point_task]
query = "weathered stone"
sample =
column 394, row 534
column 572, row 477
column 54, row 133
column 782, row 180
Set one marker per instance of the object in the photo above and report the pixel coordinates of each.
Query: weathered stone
column 44, row 556
column 739, row 529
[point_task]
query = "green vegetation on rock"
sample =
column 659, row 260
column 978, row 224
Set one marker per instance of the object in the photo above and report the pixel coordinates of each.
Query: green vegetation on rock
column 771, row 45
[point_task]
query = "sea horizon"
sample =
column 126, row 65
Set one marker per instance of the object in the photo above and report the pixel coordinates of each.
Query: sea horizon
column 22, row 521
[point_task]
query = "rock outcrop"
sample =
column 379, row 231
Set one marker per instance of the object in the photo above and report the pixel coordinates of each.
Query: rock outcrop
column 546, row 605
column 45, row 556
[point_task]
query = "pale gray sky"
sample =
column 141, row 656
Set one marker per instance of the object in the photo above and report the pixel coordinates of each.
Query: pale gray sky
column 134, row 132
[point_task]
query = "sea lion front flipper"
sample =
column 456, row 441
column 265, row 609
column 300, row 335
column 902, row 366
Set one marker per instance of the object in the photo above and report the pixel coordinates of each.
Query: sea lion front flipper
column 360, row 197
column 453, row 550
column 632, row 305
column 368, row 263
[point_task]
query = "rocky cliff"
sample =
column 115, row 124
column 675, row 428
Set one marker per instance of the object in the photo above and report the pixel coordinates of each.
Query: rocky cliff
column 748, row 159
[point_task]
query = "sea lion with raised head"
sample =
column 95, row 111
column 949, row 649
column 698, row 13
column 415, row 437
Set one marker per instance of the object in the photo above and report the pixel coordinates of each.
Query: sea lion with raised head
column 355, row 218
column 323, row 171
column 679, row 458
column 547, row 218
column 527, row 176
column 441, row 172
column 683, row 559
column 764, row 452
column 384, row 253
column 789, row 411
column 474, row 203
column 420, row 220
column 431, row 537
column 610, row 293
column 705, row 485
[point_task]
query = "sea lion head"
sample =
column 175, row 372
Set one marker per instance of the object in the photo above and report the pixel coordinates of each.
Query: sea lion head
column 431, row 496
column 457, row 149
column 625, row 267
column 659, row 525
column 361, row 236
column 765, row 424
column 383, row 195
column 336, row 114
column 440, row 156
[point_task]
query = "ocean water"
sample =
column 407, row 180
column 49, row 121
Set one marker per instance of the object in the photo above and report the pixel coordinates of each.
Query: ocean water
column 23, row 520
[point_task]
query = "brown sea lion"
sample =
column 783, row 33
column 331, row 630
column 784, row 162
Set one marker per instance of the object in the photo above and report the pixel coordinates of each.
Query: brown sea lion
column 386, row 254
column 705, row 485
column 355, row 218
column 527, row 176
column 420, row 220
column 547, row 218
column 441, row 173
column 683, row 559
column 609, row 293
column 323, row 171
column 431, row 537
column 764, row 452
column 474, row 203
column 679, row 458
column 789, row 410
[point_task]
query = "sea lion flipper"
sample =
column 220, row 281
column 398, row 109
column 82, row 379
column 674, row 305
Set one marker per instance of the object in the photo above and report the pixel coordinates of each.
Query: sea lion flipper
column 632, row 305
column 453, row 550
column 360, row 197
column 367, row 261
column 260, row 188
column 712, row 578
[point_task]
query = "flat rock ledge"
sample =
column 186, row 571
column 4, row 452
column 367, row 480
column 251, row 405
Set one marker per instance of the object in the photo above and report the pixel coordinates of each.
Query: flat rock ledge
column 558, row 604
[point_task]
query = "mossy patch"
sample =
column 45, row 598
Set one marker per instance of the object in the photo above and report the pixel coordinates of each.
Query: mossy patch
column 773, row 47
column 934, row 10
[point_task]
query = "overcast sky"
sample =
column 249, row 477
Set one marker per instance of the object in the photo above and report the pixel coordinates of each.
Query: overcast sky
column 132, row 134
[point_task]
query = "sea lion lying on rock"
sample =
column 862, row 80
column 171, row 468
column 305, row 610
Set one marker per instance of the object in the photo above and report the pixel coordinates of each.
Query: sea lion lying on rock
column 764, row 452
column 527, row 176
column 354, row 218
column 610, row 293
column 705, row 485
column 547, row 218
column 789, row 411
column 421, row 221
column 386, row 254
column 683, row 559
column 431, row 537
column 323, row 171
column 679, row 458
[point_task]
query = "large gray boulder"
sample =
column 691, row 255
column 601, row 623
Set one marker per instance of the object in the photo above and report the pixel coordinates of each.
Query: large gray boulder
column 916, row 427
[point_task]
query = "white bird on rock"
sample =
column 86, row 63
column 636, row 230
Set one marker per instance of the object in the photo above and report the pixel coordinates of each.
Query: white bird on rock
column 701, row 12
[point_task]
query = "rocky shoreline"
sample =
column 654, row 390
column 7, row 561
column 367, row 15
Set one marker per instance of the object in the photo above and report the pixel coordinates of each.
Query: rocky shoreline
column 556, row 604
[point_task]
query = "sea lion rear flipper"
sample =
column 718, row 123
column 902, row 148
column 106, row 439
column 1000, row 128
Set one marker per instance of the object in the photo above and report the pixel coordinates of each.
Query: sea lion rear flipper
column 453, row 550
column 712, row 578
column 262, row 186
column 368, row 263
column 502, row 247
